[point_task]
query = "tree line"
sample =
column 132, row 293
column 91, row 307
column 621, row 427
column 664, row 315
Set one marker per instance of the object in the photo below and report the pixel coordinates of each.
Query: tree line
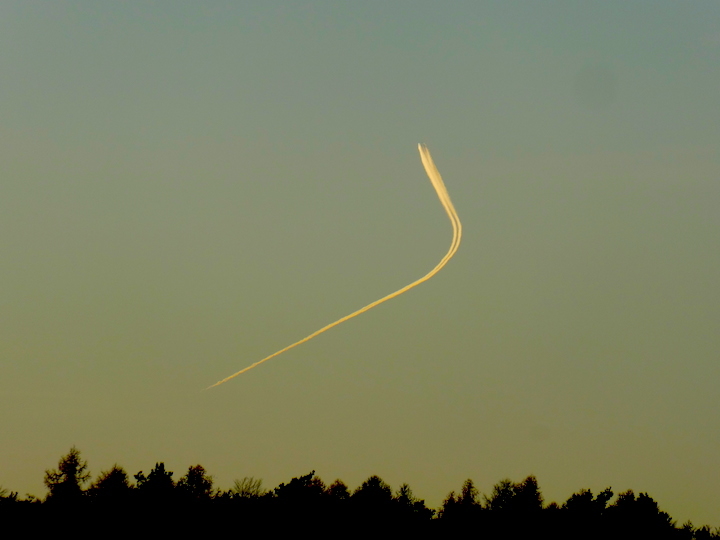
column 154, row 503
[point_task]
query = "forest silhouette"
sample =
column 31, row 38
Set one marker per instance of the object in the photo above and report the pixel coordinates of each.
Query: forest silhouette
column 155, row 504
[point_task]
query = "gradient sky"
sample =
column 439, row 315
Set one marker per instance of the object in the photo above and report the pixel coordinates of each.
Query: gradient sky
column 187, row 187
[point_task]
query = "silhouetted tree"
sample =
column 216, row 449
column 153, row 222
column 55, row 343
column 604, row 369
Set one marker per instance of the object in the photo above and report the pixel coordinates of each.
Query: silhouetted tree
column 373, row 491
column 157, row 486
column 404, row 497
column 527, row 497
column 501, row 496
column 302, row 502
column 704, row 533
column 583, row 504
column 372, row 502
column 301, row 490
column 338, row 490
column 633, row 517
column 65, row 483
column 336, row 504
column 469, row 494
column 247, row 488
column 111, row 487
column 411, row 509
column 523, row 497
column 582, row 515
column 196, row 485
column 7, row 497
column 20, row 515
column 157, row 506
column 447, row 510
column 461, row 510
column 515, row 510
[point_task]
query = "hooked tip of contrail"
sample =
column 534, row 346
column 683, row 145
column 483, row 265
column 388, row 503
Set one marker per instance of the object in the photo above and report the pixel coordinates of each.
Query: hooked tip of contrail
column 442, row 194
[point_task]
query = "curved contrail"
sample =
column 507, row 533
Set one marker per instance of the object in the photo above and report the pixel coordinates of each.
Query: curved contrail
column 444, row 197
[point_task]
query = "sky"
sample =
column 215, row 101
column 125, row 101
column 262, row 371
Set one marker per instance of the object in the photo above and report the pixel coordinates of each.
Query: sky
column 187, row 187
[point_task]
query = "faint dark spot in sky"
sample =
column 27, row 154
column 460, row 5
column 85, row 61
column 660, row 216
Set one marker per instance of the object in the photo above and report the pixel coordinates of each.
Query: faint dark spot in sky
column 540, row 432
column 595, row 86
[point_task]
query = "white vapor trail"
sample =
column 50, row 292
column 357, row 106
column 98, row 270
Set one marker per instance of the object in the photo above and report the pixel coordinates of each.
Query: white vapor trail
column 444, row 197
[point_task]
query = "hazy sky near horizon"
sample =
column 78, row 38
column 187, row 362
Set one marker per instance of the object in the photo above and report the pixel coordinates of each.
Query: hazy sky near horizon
column 187, row 187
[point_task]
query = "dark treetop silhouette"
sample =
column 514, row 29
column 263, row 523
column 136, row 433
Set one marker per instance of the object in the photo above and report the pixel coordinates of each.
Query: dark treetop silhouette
column 155, row 504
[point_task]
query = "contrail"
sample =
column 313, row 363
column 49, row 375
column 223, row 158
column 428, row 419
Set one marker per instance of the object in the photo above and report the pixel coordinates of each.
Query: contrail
column 444, row 197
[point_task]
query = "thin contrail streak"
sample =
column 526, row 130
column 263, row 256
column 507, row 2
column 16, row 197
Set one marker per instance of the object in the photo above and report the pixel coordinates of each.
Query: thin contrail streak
column 444, row 197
